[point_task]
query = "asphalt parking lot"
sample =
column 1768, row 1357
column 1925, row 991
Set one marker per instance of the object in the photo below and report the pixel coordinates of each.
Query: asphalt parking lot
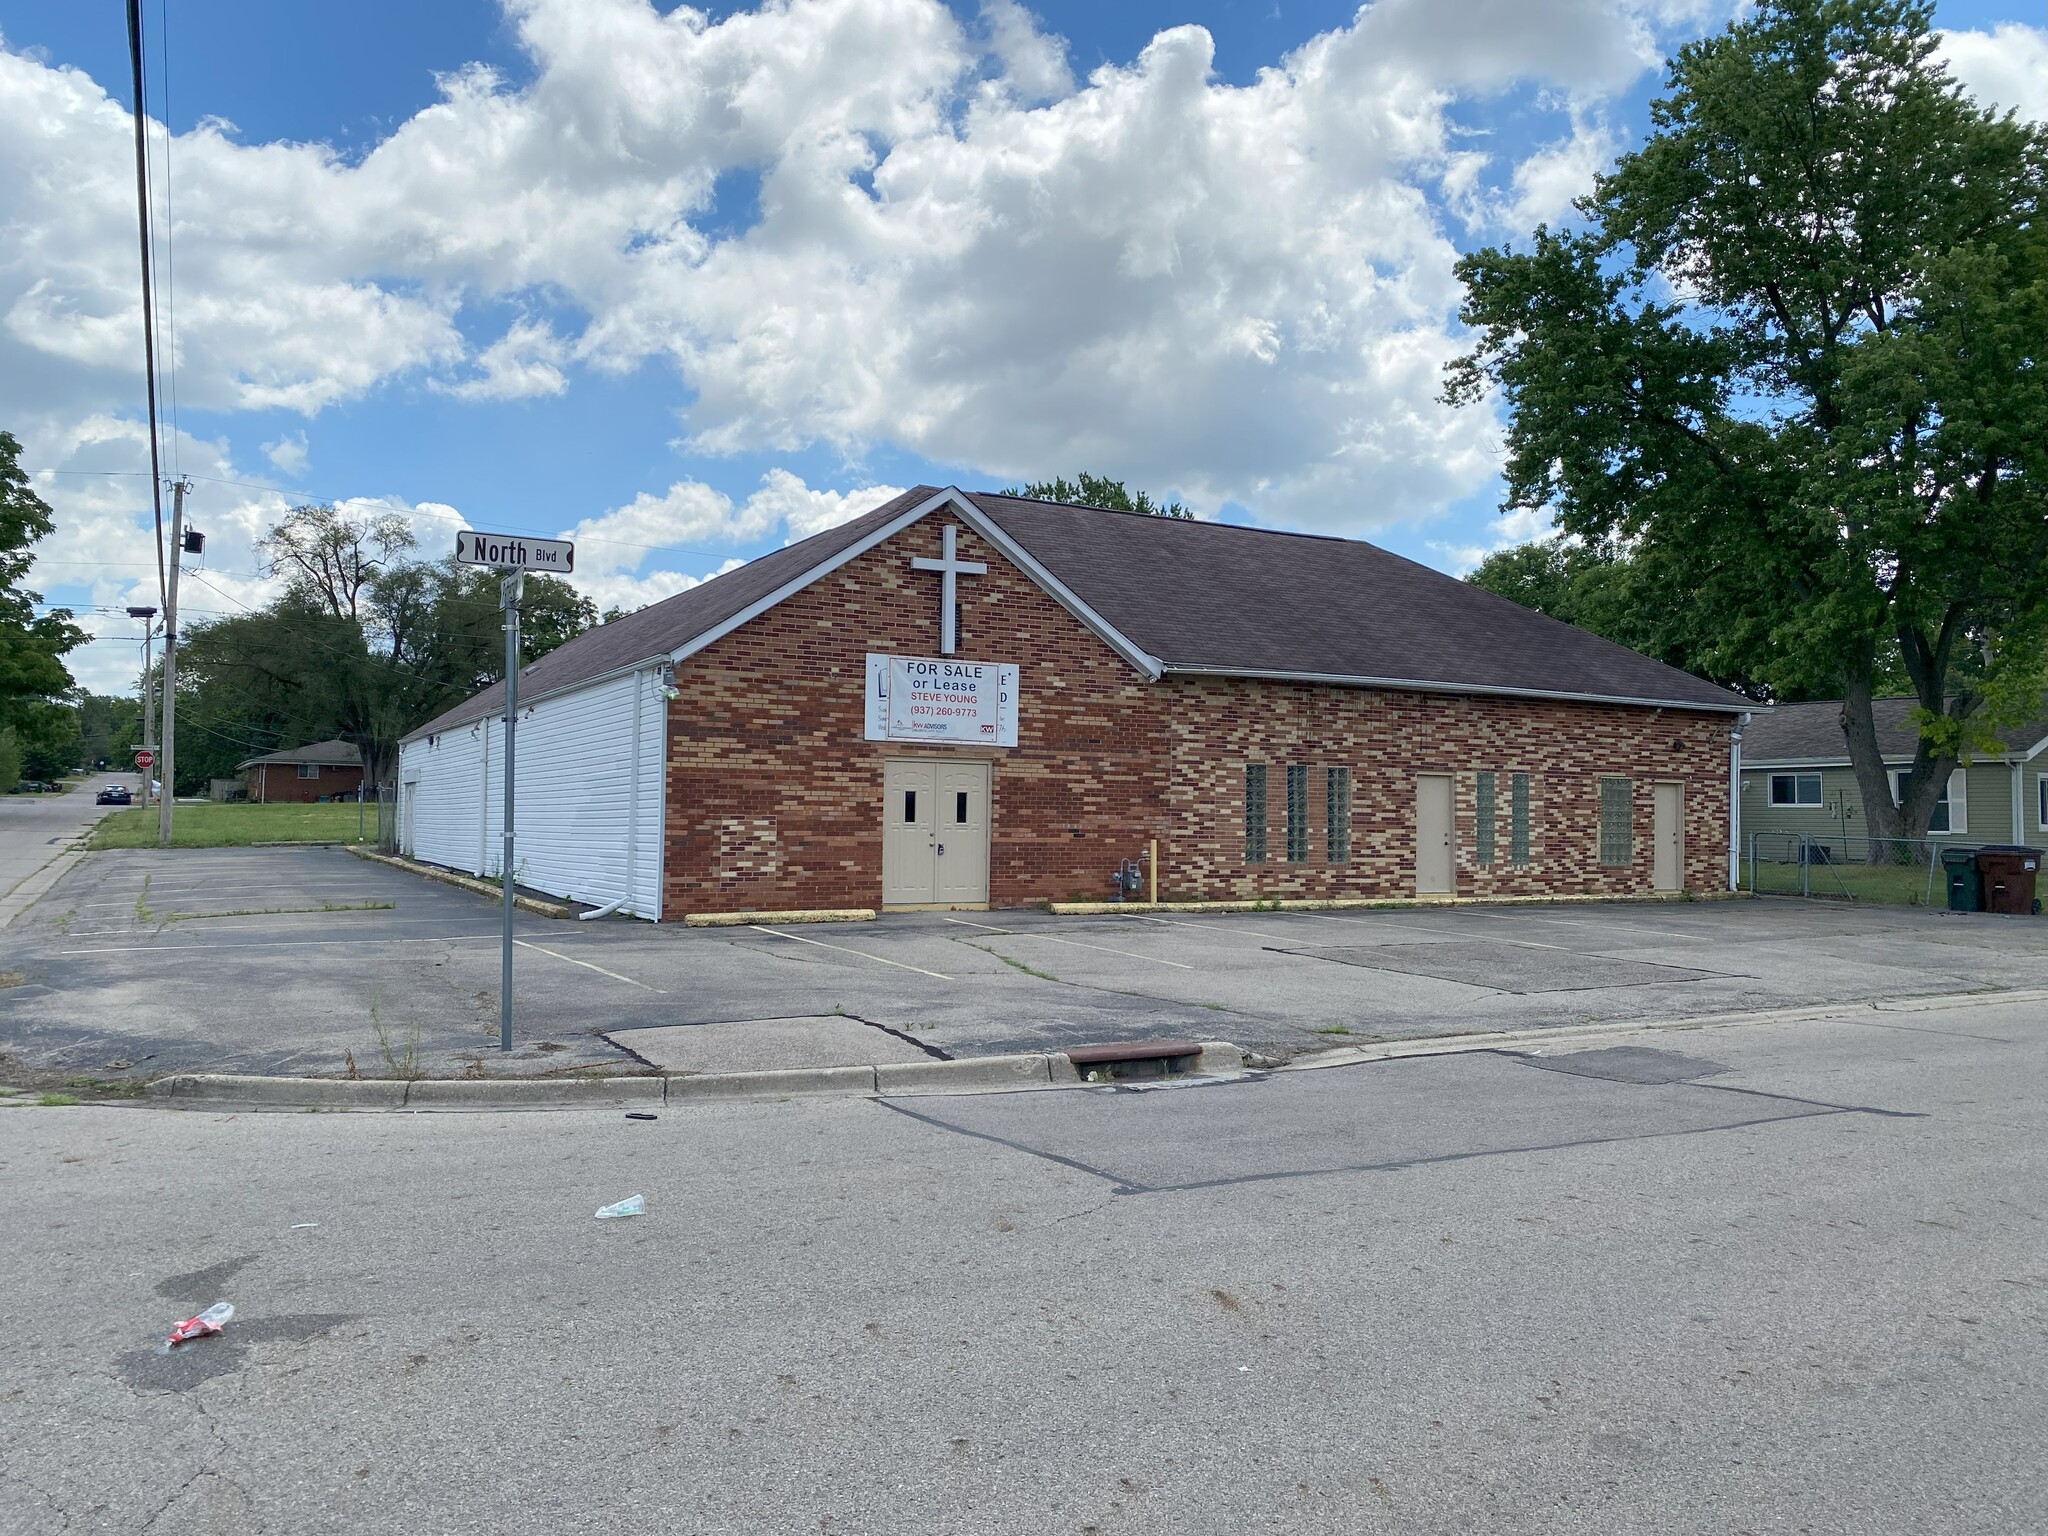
column 310, row 961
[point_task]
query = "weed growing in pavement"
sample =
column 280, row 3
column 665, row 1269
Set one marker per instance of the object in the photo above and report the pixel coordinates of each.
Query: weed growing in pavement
column 12, row 979
column 142, row 911
column 1015, row 965
column 405, row 1063
column 1333, row 1029
column 325, row 906
column 56, row 1100
column 348, row 1066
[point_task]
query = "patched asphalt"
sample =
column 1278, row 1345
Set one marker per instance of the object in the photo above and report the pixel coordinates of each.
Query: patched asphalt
column 309, row 961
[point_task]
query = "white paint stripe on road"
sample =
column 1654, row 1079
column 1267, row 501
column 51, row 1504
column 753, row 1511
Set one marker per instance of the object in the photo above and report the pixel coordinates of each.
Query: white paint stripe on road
column 1243, row 933
column 615, row 976
column 879, row 960
column 1100, row 949
column 1470, row 938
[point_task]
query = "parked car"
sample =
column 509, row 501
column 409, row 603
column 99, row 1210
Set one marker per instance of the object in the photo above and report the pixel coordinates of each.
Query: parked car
column 115, row 794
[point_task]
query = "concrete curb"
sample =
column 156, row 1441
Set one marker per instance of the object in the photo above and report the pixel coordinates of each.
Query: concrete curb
column 810, row 915
column 974, row 1074
column 1551, row 1037
column 1374, row 903
column 468, row 883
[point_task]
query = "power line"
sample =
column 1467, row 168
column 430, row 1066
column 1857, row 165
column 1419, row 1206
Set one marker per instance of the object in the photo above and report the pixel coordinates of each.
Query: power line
column 168, row 226
column 156, row 482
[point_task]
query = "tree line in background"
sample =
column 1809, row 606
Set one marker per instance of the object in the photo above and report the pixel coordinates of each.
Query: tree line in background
column 39, row 734
column 367, row 641
column 1785, row 395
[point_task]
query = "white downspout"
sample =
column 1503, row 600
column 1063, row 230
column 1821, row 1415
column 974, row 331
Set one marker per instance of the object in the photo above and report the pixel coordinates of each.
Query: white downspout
column 2019, row 800
column 632, row 814
column 1735, row 805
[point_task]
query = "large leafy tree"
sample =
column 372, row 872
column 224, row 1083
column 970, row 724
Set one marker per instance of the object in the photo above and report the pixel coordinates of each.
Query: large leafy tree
column 1794, row 366
column 1086, row 490
column 365, row 644
column 32, row 645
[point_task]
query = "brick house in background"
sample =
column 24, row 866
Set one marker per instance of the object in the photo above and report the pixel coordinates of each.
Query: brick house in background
column 321, row 770
column 967, row 700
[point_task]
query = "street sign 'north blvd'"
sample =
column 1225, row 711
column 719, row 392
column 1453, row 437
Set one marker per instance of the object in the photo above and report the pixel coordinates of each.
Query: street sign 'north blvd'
column 514, row 552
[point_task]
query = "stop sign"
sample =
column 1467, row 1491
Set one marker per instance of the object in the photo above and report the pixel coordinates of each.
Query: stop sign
column 144, row 757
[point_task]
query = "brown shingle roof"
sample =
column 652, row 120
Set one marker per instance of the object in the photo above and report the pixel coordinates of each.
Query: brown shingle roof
column 1213, row 597
column 329, row 754
column 1197, row 597
column 1801, row 734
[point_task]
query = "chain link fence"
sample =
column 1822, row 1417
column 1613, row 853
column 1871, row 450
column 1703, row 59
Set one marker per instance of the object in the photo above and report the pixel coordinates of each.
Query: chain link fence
column 1900, row 871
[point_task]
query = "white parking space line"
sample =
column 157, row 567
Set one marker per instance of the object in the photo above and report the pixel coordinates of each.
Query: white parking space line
column 135, row 949
column 1612, row 925
column 615, row 976
column 879, row 960
column 1100, row 949
column 216, row 925
column 1244, row 933
column 1454, row 933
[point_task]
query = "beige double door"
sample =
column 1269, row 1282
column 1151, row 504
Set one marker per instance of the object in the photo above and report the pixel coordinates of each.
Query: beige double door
column 934, row 833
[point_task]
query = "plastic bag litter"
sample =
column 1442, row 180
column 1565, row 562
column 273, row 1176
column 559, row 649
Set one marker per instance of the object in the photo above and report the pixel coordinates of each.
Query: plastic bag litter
column 632, row 1205
column 212, row 1320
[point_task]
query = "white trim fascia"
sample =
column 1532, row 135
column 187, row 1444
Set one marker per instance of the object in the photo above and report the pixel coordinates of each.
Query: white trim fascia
column 1414, row 685
column 1900, row 761
column 2032, row 752
column 979, row 521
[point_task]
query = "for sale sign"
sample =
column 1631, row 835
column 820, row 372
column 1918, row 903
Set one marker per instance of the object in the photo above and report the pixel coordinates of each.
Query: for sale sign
column 941, row 699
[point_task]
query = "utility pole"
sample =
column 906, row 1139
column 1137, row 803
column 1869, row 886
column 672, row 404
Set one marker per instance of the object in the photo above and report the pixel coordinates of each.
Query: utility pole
column 163, row 825
column 511, row 589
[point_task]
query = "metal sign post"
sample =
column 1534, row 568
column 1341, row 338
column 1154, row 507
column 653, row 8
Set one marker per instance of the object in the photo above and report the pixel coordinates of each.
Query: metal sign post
column 510, row 590
column 516, row 555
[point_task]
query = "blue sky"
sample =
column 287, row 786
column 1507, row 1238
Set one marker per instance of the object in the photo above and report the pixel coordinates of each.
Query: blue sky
column 687, row 287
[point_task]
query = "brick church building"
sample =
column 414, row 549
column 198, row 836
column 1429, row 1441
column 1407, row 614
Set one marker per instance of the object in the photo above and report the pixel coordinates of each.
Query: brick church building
column 973, row 700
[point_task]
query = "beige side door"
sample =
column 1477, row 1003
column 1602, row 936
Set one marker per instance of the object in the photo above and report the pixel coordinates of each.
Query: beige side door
column 1667, row 860
column 962, row 842
column 910, row 795
column 1433, row 853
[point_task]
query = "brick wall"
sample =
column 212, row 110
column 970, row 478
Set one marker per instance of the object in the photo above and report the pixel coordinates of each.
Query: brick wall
column 279, row 783
column 1387, row 738
column 775, row 800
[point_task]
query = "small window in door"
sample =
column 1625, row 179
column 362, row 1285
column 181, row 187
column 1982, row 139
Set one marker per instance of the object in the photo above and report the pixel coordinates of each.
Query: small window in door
column 960, row 807
column 910, row 807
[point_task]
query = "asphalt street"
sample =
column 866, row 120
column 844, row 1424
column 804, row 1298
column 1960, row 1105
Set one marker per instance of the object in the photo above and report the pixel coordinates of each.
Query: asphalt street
column 36, row 829
column 1749, row 1279
column 310, row 961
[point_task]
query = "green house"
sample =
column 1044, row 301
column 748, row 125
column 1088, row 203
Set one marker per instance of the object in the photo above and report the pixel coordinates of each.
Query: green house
column 1796, row 780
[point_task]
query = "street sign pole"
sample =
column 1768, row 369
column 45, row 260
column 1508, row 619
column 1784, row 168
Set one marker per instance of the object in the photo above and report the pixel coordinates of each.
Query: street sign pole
column 514, row 554
column 510, row 591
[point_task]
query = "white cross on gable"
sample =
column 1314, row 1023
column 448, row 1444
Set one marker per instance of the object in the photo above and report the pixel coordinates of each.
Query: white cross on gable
column 949, row 566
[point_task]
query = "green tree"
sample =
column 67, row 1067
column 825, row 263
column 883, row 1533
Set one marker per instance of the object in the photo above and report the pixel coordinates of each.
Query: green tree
column 109, row 727
column 363, row 660
column 32, row 646
column 1087, row 490
column 1795, row 361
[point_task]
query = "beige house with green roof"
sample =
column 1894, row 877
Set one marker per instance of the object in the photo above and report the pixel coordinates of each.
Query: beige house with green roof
column 1796, row 779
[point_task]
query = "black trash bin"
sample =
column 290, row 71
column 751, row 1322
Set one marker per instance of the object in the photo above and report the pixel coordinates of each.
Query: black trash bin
column 1959, row 870
column 2008, row 874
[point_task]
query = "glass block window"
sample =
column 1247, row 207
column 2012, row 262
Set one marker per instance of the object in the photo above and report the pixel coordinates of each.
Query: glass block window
column 1297, row 814
column 1482, row 828
column 1617, row 843
column 1518, row 819
column 1255, row 813
column 1338, row 798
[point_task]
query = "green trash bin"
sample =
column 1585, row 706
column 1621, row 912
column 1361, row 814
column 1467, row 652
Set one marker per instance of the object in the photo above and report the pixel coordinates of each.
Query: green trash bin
column 1965, row 887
